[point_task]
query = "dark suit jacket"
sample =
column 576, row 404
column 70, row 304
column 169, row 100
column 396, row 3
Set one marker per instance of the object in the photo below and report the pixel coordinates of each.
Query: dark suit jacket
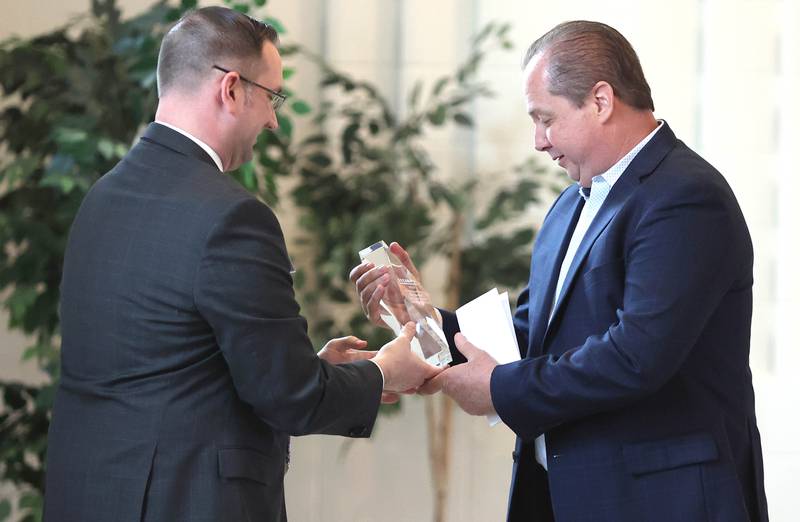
column 641, row 380
column 185, row 362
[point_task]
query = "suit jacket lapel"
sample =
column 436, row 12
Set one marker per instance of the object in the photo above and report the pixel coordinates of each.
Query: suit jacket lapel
column 642, row 165
column 551, row 246
column 176, row 142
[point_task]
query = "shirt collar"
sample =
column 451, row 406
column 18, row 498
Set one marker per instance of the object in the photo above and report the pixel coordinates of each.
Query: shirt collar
column 613, row 174
column 203, row 145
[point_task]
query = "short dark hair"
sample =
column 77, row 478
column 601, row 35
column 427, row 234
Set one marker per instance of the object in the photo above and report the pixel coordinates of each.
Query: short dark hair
column 582, row 53
column 206, row 37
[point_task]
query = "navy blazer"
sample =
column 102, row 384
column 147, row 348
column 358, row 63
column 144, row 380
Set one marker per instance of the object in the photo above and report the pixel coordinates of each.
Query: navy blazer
column 641, row 380
column 185, row 362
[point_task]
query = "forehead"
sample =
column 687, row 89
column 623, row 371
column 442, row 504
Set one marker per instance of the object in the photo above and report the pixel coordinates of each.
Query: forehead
column 535, row 83
column 272, row 73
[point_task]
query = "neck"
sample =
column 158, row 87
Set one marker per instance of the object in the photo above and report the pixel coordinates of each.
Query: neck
column 189, row 116
column 625, row 133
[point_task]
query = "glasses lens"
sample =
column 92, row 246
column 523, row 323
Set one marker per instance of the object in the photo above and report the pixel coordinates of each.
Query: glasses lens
column 277, row 101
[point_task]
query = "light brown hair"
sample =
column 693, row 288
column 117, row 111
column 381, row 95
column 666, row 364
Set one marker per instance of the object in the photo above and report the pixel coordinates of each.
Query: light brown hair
column 206, row 37
column 580, row 53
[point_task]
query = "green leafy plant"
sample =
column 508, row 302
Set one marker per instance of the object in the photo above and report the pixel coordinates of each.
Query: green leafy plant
column 366, row 174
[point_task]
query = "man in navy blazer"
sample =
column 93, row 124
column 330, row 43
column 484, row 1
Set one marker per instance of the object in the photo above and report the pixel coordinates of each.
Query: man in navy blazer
column 186, row 365
column 633, row 400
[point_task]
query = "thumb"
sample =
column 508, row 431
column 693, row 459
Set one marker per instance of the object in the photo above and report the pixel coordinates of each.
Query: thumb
column 465, row 347
column 404, row 258
column 351, row 342
column 409, row 331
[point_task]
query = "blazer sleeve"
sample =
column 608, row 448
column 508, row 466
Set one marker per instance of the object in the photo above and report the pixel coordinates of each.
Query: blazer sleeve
column 451, row 327
column 244, row 290
column 521, row 321
column 685, row 252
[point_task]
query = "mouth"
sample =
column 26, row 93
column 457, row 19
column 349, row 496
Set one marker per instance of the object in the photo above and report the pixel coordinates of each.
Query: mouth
column 558, row 159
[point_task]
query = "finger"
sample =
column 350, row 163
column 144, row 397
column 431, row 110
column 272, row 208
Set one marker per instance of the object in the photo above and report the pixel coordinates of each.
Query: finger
column 360, row 270
column 404, row 257
column 356, row 343
column 351, row 342
column 432, row 371
column 372, row 277
column 360, row 355
column 469, row 350
column 389, row 398
column 409, row 331
column 373, row 305
column 433, row 385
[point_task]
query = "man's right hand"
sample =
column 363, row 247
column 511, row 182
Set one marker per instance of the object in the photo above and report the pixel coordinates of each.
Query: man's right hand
column 403, row 370
column 372, row 283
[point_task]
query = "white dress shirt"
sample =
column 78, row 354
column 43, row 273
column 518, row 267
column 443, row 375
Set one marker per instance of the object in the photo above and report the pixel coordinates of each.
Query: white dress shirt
column 203, row 145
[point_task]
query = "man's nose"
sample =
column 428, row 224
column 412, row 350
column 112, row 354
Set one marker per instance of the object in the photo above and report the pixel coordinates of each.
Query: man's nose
column 540, row 141
column 272, row 122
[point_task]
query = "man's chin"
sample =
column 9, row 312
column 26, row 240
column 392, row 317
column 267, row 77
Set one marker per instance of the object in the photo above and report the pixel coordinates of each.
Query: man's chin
column 573, row 173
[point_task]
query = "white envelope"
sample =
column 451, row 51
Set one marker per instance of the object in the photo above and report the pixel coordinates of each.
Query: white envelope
column 486, row 322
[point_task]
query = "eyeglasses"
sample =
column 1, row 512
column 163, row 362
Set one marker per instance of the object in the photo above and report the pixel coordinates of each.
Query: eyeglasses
column 276, row 97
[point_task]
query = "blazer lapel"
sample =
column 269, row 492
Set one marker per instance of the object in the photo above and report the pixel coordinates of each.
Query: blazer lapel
column 642, row 165
column 551, row 246
column 176, row 142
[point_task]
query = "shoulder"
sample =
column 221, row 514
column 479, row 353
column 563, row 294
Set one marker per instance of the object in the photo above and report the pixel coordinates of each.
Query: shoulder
column 685, row 175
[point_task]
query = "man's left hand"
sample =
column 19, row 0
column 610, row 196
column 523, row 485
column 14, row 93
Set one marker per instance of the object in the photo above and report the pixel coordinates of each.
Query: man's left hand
column 345, row 350
column 467, row 383
column 350, row 349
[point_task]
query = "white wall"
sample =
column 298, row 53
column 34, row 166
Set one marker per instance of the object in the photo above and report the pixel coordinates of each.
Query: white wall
column 724, row 73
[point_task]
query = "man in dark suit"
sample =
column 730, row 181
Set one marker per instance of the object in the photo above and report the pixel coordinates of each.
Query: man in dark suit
column 185, row 363
column 633, row 400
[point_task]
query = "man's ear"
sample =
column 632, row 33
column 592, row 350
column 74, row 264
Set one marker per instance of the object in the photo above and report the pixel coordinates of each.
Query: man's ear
column 231, row 93
column 602, row 99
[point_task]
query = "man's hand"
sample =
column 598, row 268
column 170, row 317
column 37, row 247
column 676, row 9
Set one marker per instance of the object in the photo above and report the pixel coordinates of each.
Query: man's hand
column 403, row 370
column 372, row 284
column 350, row 349
column 345, row 350
column 467, row 383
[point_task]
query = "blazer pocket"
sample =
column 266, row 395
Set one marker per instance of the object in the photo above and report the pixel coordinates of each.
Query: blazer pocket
column 243, row 463
column 651, row 457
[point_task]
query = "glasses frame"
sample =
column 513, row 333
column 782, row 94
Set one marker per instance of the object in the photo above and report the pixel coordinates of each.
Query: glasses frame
column 276, row 98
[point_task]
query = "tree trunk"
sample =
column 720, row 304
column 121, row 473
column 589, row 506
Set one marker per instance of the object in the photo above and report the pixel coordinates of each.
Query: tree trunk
column 439, row 408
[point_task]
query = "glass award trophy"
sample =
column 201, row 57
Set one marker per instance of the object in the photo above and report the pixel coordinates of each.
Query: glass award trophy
column 406, row 300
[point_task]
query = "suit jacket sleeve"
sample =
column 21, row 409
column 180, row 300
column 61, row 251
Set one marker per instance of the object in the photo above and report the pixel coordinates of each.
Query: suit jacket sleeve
column 683, row 255
column 451, row 327
column 244, row 290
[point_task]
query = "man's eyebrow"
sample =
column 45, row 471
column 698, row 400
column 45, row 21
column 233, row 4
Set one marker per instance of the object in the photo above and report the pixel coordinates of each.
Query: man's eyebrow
column 538, row 113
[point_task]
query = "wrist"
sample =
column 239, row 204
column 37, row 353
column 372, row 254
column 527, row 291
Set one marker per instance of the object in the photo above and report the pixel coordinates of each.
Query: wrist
column 380, row 362
column 383, row 376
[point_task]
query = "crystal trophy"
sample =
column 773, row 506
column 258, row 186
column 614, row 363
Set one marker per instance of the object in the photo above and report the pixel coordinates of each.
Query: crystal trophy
column 406, row 300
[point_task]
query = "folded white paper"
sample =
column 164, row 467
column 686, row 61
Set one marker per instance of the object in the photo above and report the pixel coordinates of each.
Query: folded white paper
column 486, row 322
